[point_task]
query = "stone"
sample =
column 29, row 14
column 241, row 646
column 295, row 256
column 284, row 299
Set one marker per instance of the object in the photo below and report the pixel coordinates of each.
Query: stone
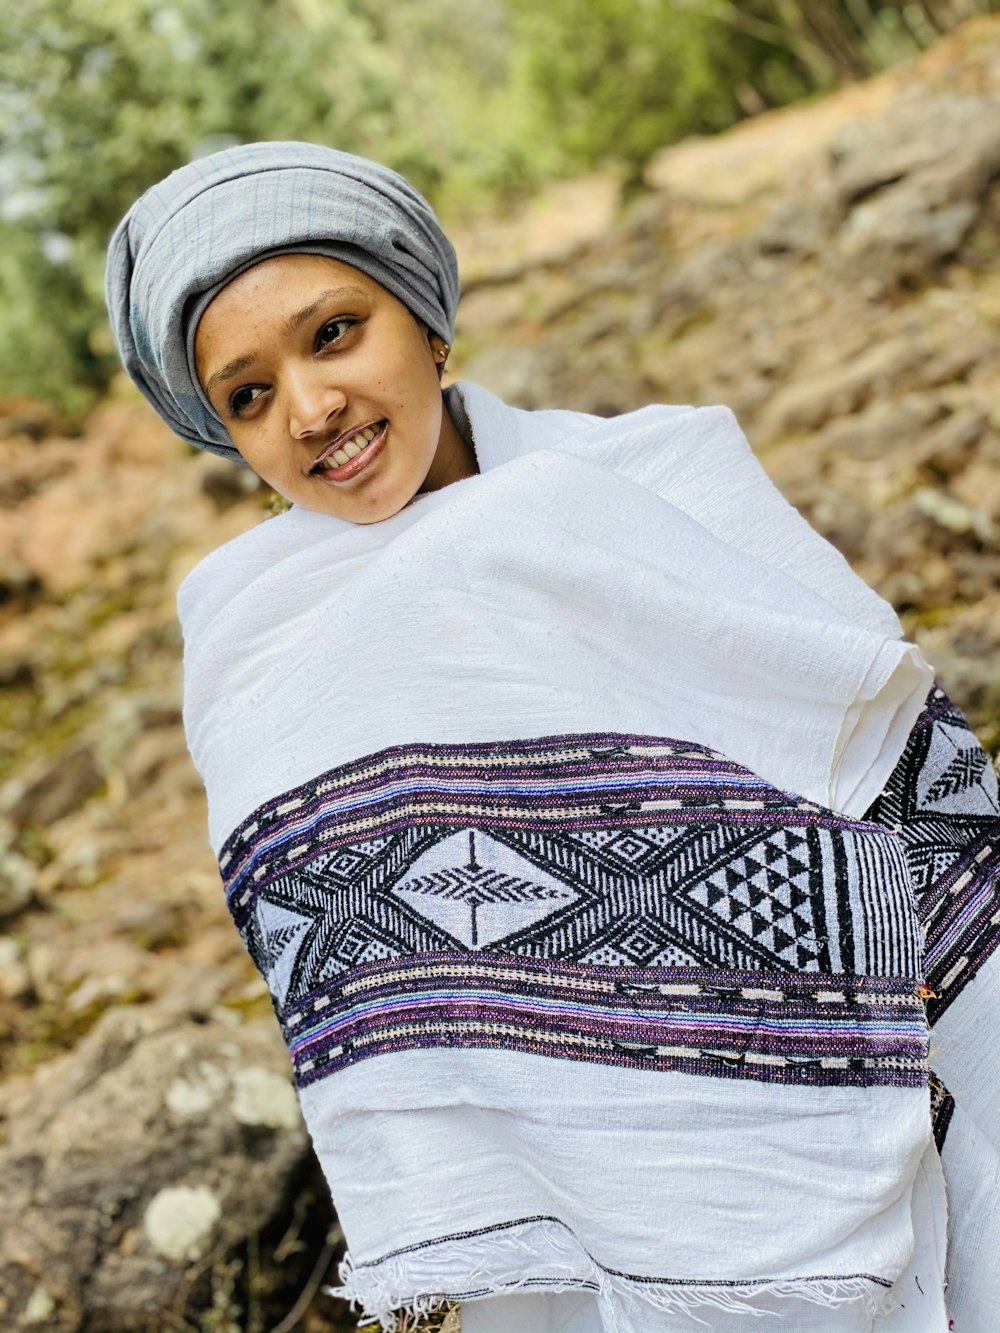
column 842, row 388
column 17, row 884
column 949, row 448
column 911, row 185
column 56, row 787
column 953, row 515
column 881, row 428
column 979, row 486
column 227, row 483
column 40, row 1307
column 152, row 752
column 110, row 1195
column 15, row 980
column 179, row 1222
column 196, row 1094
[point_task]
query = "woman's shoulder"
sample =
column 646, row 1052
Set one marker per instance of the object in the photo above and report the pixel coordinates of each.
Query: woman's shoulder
column 502, row 432
column 222, row 574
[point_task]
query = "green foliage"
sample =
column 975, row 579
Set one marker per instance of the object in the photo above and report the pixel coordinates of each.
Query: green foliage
column 475, row 103
column 100, row 98
column 634, row 74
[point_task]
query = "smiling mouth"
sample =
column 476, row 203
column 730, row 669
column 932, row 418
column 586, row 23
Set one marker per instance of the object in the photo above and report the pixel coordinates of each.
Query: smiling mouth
column 351, row 452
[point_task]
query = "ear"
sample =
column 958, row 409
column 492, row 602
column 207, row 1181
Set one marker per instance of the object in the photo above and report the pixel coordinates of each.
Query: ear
column 439, row 347
column 439, row 350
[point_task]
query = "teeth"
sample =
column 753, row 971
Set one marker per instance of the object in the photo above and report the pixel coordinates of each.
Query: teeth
column 352, row 448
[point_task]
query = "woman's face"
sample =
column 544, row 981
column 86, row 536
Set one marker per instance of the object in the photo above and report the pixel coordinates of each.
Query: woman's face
column 329, row 388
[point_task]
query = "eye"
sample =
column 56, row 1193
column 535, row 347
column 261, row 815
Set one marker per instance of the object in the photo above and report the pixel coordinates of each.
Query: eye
column 332, row 331
column 244, row 398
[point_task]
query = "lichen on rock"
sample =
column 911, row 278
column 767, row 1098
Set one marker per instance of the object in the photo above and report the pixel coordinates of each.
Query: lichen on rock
column 179, row 1221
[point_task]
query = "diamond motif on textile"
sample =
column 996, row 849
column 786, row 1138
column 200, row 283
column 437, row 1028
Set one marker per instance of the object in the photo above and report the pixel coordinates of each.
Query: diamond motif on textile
column 629, row 847
column 480, row 890
column 642, row 942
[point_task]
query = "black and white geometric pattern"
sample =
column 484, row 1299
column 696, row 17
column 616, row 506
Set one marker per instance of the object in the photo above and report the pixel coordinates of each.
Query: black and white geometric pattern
column 773, row 892
column 942, row 802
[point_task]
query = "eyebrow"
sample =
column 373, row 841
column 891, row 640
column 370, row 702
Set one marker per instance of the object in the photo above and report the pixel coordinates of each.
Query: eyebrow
column 228, row 371
column 293, row 322
column 296, row 321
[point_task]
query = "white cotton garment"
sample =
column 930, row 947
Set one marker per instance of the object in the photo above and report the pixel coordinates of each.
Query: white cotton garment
column 541, row 808
column 919, row 1291
column 733, row 621
column 970, row 1070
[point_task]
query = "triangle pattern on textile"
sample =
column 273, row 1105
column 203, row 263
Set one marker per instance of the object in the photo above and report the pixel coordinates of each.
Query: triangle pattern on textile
column 764, row 896
column 282, row 931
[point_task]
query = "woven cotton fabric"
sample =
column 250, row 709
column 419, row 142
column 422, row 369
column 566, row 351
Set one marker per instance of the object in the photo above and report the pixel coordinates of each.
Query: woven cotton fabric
column 207, row 222
column 601, row 966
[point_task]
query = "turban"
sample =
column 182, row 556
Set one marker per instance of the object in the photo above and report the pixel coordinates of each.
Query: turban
column 195, row 231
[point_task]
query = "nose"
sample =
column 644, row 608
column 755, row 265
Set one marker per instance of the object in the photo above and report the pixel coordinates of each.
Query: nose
column 313, row 401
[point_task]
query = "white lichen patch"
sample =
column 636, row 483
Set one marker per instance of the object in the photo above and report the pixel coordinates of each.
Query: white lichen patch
column 197, row 1094
column 40, row 1307
column 265, row 1099
column 178, row 1222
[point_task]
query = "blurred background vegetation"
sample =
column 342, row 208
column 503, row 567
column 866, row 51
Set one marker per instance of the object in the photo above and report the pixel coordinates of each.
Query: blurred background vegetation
column 477, row 103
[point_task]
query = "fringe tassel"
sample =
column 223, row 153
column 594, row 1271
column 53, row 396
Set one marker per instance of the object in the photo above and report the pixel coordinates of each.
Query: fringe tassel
column 541, row 1256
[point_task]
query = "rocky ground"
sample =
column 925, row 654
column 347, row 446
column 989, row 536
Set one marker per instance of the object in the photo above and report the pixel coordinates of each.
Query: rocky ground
column 831, row 271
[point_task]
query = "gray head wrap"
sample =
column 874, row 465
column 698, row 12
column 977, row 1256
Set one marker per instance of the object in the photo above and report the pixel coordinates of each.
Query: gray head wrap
column 186, row 237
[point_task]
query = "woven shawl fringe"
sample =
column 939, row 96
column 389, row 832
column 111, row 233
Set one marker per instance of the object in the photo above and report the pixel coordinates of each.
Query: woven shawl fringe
column 545, row 1256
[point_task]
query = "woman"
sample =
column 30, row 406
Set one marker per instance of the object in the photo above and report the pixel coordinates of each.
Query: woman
column 599, row 838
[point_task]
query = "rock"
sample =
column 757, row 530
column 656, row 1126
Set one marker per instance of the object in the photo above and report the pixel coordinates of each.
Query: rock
column 15, row 980
column 949, row 448
column 55, row 787
column 17, row 884
column 979, row 485
column 40, row 1307
column 911, row 184
column 198, row 1093
column 954, row 516
column 179, row 1222
column 880, row 429
column 226, row 483
column 151, row 753
column 117, row 1201
column 792, row 227
column 842, row 388
column 962, row 354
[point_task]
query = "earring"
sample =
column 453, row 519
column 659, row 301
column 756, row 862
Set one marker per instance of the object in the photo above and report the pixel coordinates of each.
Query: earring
column 441, row 354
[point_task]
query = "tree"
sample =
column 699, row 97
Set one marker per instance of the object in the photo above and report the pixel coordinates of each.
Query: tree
column 620, row 78
column 100, row 98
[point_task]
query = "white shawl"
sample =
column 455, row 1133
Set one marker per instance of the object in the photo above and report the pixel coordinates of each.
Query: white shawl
column 650, row 548
column 636, row 592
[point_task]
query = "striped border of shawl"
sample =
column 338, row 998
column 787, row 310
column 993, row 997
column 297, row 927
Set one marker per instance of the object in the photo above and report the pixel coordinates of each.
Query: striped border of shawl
column 962, row 920
column 812, row 1029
